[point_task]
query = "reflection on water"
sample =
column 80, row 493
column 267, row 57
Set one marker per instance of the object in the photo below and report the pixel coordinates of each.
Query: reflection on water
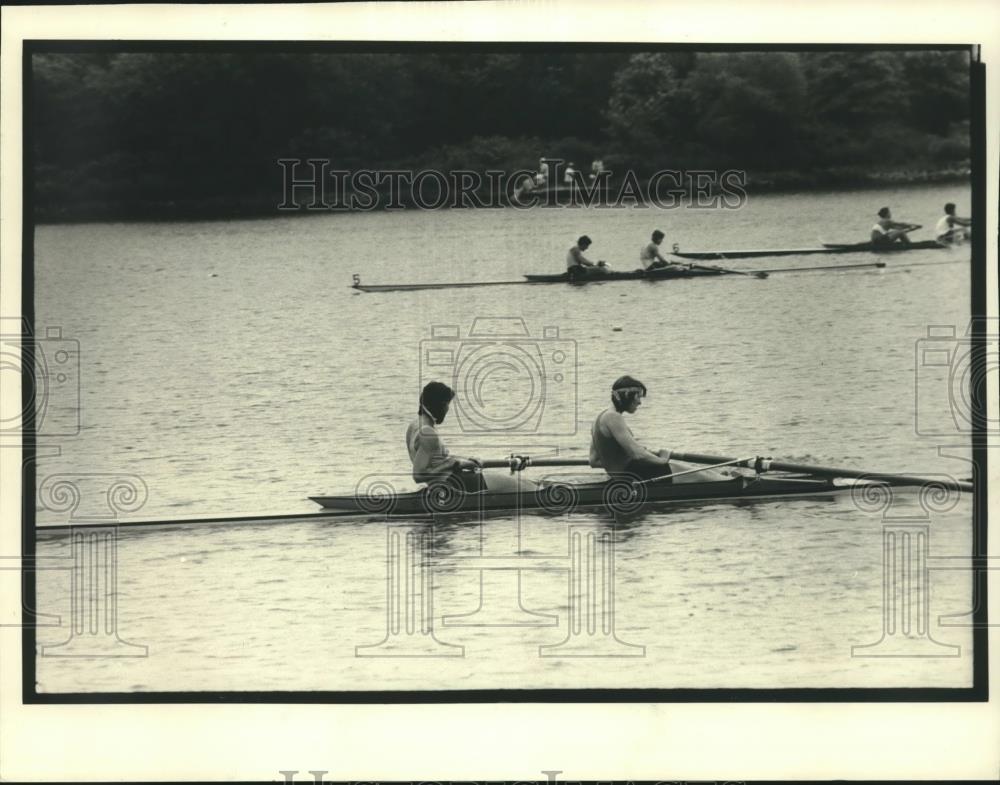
column 231, row 368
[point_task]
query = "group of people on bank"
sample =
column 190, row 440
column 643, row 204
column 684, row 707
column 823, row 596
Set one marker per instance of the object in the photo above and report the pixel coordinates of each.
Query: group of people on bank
column 613, row 447
column 571, row 176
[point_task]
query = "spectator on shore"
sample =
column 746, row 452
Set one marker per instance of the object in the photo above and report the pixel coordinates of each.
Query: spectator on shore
column 542, row 175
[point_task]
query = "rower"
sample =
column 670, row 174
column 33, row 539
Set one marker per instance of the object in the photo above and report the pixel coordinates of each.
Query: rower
column 951, row 228
column 650, row 256
column 430, row 457
column 886, row 231
column 614, row 448
column 578, row 265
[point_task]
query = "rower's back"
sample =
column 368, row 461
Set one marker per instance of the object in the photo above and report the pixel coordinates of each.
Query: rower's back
column 605, row 450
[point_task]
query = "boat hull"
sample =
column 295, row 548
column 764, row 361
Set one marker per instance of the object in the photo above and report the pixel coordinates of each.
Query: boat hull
column 560, row 498
column 827, row 248
column 922, row 245
column 663, row 274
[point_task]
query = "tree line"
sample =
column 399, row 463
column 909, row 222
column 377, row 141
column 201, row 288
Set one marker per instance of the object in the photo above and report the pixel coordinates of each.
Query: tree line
column 130, row 133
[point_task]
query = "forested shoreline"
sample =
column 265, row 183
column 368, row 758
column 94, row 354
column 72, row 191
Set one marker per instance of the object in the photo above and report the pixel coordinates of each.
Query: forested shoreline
column 144, row 135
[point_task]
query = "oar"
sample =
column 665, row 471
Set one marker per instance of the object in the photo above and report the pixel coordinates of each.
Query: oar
column 714, row 268
column 822, row 267
column 830, row 471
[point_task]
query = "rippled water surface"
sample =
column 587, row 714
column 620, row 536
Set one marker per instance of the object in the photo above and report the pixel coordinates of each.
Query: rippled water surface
column 231, row 368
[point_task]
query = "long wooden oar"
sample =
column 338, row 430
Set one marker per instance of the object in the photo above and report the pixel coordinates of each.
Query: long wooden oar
column 831, row 471
column 822, row 267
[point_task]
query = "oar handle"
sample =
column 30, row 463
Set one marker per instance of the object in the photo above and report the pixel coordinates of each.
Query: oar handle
column 519, row 462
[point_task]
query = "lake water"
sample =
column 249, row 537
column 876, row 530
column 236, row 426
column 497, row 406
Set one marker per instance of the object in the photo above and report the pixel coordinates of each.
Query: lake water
column 229, row 367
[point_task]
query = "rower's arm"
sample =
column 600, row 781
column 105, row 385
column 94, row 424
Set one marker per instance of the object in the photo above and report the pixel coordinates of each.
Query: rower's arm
column 581, row 259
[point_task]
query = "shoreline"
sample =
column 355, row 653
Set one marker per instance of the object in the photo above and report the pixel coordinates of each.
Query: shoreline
column 258, row 206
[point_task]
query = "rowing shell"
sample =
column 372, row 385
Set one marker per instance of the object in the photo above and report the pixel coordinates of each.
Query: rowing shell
column 562, row 497
column 826, row 248
column 662, row 274
column 659, row 274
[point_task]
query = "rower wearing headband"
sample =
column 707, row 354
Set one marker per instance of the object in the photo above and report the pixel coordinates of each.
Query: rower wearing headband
column 612, row 445
column 614, row 448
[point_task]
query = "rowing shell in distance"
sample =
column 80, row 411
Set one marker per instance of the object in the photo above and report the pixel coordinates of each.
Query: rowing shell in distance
column 826, row 248
column 561, row 497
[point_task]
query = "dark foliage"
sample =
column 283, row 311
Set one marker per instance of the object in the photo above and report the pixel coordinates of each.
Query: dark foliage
column 119, row 134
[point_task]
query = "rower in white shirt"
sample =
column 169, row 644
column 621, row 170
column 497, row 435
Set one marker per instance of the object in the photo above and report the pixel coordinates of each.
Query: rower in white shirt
column 650, row 257
column 951, row 228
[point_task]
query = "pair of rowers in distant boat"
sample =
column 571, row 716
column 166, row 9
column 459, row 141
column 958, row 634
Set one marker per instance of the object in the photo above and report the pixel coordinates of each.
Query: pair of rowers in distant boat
column 612, row 446
column 950, row 228
column 579, row 266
